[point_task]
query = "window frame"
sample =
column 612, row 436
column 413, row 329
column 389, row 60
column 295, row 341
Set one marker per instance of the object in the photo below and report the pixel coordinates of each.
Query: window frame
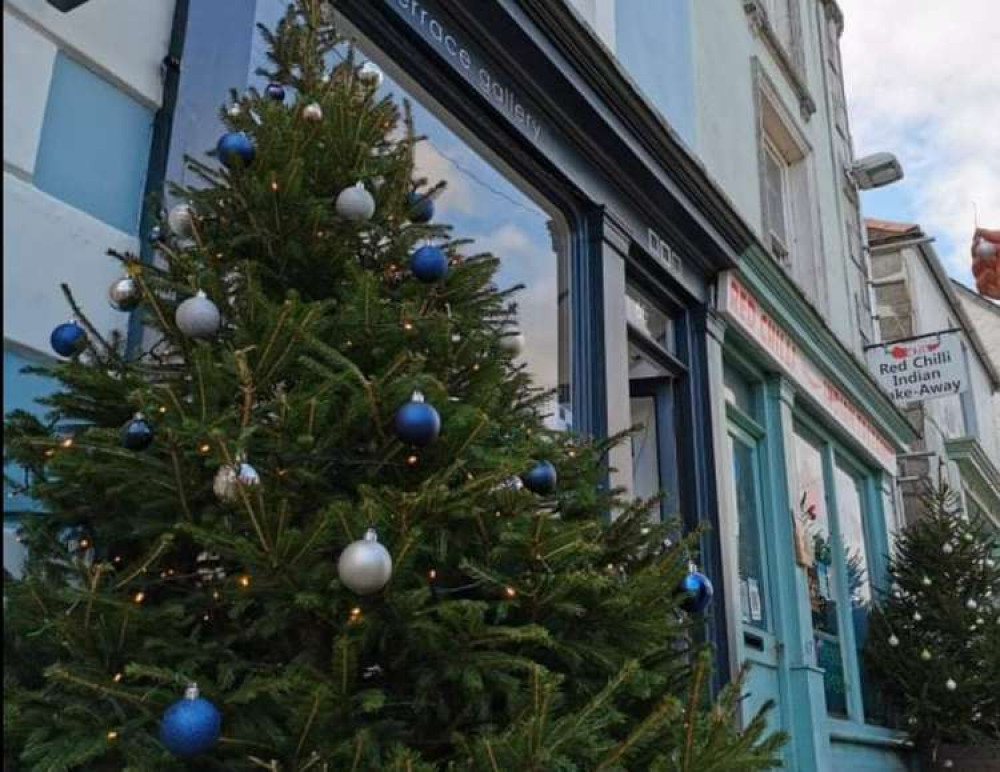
column 781, row 244
column 875, row 535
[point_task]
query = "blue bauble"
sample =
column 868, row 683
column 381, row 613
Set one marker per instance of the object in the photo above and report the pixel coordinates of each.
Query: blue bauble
column 417, row 423
column 275, row 92
column 429, row 264
column 235, row 149
column 68, row 339
column 698, row 590
column 137, row 434
column 541, row 478
column 190, row 726
column 421, row 208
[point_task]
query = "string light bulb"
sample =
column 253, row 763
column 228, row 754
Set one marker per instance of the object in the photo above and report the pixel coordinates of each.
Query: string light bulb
column 510, row 592
column 139, row 597
column 67, row 443
column 244, row 580
column 412, row 460
column 204, row 448
column 432, row 574
column 112, row 735
column 118, row 678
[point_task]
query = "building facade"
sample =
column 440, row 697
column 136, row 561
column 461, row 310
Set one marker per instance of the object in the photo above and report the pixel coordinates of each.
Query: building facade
column 959, row 434
column 82, row 95
column 670, row 181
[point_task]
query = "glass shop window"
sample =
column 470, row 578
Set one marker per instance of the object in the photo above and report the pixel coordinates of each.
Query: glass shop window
column 502, row 215
column 815, row 536
column 644, row 315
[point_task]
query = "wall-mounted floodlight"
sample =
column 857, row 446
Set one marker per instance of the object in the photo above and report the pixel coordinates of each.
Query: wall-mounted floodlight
column 876, row 170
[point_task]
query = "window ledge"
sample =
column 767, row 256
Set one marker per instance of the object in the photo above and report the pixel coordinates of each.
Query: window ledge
column 761, row 26
column 867, row 734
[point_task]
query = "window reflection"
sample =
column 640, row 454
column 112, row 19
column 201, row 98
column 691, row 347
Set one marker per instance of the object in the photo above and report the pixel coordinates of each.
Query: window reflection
column 813, row 521
column 753, row 596
column 503, row 218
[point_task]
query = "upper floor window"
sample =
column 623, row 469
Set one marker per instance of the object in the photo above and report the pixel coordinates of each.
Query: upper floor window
column 776, row 201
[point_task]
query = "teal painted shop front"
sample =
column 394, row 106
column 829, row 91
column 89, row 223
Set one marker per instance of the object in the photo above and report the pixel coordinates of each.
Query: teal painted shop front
column 807, row 498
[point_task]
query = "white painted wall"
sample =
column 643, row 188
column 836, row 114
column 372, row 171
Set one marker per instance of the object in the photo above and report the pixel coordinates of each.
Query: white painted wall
column 931, row 313
column 28, row 57
column 46, row 242
column 124, row 40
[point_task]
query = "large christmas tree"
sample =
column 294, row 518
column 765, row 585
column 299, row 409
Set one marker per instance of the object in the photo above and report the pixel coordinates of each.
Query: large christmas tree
column 324, row 492
column 934, row 646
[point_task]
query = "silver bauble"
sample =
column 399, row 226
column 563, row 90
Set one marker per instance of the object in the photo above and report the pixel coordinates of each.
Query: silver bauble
column 355, row 203
column 371, row 74
column 925, row 655
column 968, row 537
column 229, row 478
column 365, row 566
column 986, row 249
column 926, row 581
column 950, row 685
column 312, row 112
column 234, row 110
column 124, row 294
column 971, row 604
column 198, row 317
column 893, row 641
column 180, row 220
column 917, row 616
column 513, row 344
column 947, row 549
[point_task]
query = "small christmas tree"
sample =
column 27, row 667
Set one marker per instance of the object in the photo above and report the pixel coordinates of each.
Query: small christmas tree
column 934, row 646
column 326, row 494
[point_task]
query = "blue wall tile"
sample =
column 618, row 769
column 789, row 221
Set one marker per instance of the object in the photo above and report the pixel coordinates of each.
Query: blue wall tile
column 94, row 148
column 653, row 43
column 19, row 393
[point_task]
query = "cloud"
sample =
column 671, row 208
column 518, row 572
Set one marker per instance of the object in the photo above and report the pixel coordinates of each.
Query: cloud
column 457, row 198
column 922, row 82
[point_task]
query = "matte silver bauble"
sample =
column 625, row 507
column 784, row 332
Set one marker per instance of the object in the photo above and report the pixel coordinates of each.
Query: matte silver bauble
column 971, row 604
column 312, row 112
column 365, row 566
column 180, row 220
column 513, row 343
column 371, row 74
column 947, row 549
column 950, row 685
column 198, row 317
column 925, row 655
column 124, row 294
column 229, row 478
column 917, row 616
column 893, row 641
column 355, row 203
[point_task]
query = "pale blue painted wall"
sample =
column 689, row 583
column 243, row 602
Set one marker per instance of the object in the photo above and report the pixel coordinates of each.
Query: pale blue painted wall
column 20, row 391
column 653, row 43
column 94, row 148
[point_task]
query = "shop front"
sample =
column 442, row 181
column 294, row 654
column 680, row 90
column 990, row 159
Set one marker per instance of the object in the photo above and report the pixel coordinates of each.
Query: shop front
column 808, row 503
column 556, row 165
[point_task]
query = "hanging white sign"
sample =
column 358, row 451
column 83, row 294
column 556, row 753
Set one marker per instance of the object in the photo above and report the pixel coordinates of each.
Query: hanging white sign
column 920, row 369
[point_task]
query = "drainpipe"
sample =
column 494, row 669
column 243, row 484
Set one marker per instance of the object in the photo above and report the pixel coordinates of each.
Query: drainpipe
column 158, row 154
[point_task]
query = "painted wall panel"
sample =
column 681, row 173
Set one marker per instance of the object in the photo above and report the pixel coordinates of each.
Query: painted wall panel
column 863, row 758
column 94, row 148
column 125, row 39
column 27, row 70
column 653, row 43
column 46, row 242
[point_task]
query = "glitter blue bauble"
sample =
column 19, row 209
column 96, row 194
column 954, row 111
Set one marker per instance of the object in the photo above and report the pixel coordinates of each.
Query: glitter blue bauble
column 275, row 92
column 137, row 434
column 698, row 591
column 417, row 423
column 235, row 149
column 190, row 726
column 429, row 264
column 68, row 339
column 421, row 208
column 541, row 478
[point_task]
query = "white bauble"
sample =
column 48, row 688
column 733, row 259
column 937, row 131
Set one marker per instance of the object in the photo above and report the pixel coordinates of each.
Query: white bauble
column 312, row 112
column 893, row 641
column 926, row 581
column 971, row 604
column 947, row 549
column 917, row 617
column 355, row 203
column 365, row 566
column 180, row 220
column 513, row 344
column 371, row 74
column 950, row 685
column 986, row 249
column 925, row 655
column 198, row 317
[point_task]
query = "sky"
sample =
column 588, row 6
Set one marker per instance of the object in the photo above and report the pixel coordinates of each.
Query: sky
column 923, row 82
